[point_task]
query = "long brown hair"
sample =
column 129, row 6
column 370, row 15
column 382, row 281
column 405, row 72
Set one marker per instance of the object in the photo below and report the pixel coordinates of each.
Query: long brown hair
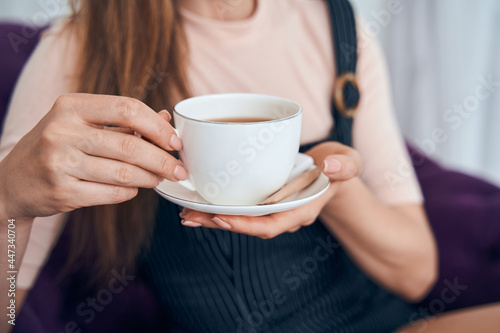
column 127, row 48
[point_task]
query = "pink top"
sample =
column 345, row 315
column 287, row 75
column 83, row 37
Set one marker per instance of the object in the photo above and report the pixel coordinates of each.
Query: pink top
column 283, row 49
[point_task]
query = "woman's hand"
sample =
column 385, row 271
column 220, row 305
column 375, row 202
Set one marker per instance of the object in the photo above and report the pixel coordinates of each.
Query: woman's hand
column 339, row 163
column 73, row 159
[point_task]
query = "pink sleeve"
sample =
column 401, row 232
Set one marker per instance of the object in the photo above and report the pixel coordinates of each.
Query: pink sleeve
column 388, row 171
column 47, row 75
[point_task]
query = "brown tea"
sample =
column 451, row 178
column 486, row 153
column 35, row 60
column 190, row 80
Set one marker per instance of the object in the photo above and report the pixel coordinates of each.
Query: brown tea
column 240, row 120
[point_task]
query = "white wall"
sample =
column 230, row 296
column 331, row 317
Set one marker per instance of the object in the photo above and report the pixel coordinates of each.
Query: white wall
column 440, row 53
column 32, row 12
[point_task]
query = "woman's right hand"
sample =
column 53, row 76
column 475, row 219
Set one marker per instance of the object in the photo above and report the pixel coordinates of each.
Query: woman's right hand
column 72, row 159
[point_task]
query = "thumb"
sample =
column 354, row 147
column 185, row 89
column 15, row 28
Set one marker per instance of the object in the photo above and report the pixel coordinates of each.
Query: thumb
column 340, row 167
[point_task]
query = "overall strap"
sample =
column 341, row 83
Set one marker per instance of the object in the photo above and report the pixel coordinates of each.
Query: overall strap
column 345, row 93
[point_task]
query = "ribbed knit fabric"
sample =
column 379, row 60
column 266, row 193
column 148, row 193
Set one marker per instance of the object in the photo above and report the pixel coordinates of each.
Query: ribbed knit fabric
column 217, row 281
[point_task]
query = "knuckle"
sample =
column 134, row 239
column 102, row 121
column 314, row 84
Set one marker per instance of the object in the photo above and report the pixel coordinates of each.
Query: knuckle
column 73, row 159
column 60, row 194
column 268, row 234
column 165, row 163
column 116, row 194
column 128, row 145
column 88, row 143
column 52, row 134
column 150, row 184
column 128, row 108
column 356, row 155
column 308, row 222
column 52, row 166
column 163, row 130
column 98, row 138
column 132, row 192
column 123, row 175
column 120, row 194
column 153, row 181
column 358, row 162
column 64, row 103
column 264, row 236
column 350, row 168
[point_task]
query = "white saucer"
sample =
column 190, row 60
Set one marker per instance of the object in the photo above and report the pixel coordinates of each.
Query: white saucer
column 190, row 199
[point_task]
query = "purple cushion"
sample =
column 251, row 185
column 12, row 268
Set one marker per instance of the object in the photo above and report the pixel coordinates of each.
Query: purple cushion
column 464, row 213
column 124, row 304
column 16, row 44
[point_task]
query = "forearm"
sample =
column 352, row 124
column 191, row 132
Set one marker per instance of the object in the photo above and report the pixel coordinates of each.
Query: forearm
column 394, row 248
column 14, row 236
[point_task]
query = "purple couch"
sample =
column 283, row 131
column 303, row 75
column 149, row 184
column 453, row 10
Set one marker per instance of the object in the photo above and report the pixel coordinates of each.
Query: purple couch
column 464, row 213
column 16, row 44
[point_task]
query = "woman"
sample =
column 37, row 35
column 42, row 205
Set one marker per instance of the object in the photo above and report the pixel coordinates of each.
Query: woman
column 82, row 153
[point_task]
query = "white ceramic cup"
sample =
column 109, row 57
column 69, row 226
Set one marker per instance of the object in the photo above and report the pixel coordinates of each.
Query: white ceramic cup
column 237, row 163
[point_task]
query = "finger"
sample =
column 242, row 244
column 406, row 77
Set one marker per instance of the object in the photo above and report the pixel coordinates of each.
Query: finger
column 119, row 129
column 340, row 167
column 133, row 150
column 124, row 112
column 193, row 224
column 165, row 115
column 270, row 226
column 205, row 219
column 295, row 229
column 107, row 171
column 338, row 161
column 94, row 194
column 266, row 227
column 192, row 218
column 185, row 211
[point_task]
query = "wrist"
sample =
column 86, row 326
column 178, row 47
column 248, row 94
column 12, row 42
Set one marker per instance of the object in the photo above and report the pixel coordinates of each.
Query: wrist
column 7, row 217
column 6, row 212
column 4, row 215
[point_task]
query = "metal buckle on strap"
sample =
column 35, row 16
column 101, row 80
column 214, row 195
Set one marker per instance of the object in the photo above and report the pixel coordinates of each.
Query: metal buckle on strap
column 338, row 94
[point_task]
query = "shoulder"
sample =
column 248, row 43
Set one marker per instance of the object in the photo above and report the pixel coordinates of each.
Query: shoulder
column 50, row 71
column 61, row 35
column 55, row 58
column 369, row 49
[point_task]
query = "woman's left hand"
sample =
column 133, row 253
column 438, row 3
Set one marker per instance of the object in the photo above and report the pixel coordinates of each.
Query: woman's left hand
column 338, row 162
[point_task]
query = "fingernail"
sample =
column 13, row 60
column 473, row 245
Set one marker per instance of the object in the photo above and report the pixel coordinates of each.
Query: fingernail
column 175, row 142
column 191, row 224
column 332, row 165
column 182, row 214
column 221, row 224
column 180, row 173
